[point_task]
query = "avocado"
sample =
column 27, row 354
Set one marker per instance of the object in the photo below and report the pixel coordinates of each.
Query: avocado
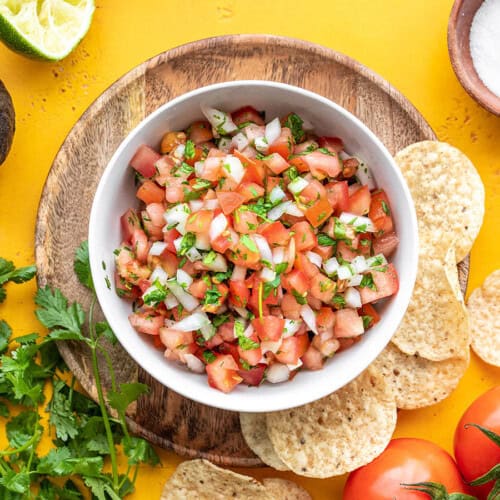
column 7, row 122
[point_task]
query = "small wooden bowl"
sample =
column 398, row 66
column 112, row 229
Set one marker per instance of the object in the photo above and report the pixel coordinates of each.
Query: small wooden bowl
column 459, row 25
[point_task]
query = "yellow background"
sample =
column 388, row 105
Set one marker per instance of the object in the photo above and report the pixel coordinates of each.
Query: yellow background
column 403, row 41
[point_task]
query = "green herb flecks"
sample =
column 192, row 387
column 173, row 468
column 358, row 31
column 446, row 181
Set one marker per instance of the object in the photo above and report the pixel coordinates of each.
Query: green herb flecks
column 294, row 122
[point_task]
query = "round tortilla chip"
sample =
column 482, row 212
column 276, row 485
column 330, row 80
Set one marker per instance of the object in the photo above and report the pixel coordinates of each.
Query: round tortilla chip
column 338, row 433
column 282, row 489
column 418, row 382
column 202, row 480
column 484, row 311
column 436, row 323
column 254, row 430
column 448, row 195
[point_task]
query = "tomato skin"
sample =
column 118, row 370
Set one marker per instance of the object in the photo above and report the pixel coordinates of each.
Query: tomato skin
column 283, row 145
column 150, row 192
column 247, row 114
column 387, row 284
column 222, row 373
column 474, row 452
column 144, row 161
column 304, row 237
column 359, row 201
column 405, row 460
column 276, row 234
column 229, row 201
column 200, row 132
column 269, row 327
column 239, row 293
column 129, row 222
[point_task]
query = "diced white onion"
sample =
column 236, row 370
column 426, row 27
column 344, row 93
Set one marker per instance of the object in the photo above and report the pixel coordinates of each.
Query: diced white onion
column 194, row 364
column 193, row 322
column 365, row 176
column 352, row 298
column 198, row 168
column 261, row 145
column 240, row 141
column 157, row 248
column 277, row 373
column 218, row 265
column 183, row 278
column 211, row 204
column 271, row 346
column 170, row 302
column 208, row 331
column 244, row 313
column 331, row 266
column 159, row 274
column 267, row 274
column 263, row 361
column 193, row 255
column 177, row 243
column 294, row 210
column 276, row 212
column 314, row 258
column 224, row 144
column 357, row 221
column 359, row 264
column 273, row 130
column 278, row 255
column 248, row 330
column 217, row 226
column 292, row 326
column 219, row 120
column 233, row 167
column 179, row 151
column 376, row 260
column 264, row 248
column 297, row 185
column 276, row 194
column 355, row 280
column 345, row 272
column 239, row 273
column 178, row 215
column 196, row 205
column 169, row 323
column 202, row 241
column 309, row 317
column 295, row 366
column 187, row 300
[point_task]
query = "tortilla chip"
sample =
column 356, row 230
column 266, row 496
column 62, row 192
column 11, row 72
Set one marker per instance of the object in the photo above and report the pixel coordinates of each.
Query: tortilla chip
column 436, row 324
column 448, row 195
column 282, row 489
column 201, row 480
column 339, row 433
column 254, row 429
column 418, row 382
column 484, row 310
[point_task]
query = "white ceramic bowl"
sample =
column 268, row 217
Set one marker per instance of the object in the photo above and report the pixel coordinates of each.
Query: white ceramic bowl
column 116, row 193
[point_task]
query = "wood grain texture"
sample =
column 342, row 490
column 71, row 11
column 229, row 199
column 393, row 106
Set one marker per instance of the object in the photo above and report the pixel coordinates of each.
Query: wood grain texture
column 164, row 417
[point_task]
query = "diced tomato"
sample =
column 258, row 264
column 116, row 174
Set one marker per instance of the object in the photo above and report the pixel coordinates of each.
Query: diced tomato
column 197, row 156
column 251, row 356
column 174, row 193
column 226, row 331
column 297, row 281
column 129, row 222
column 346, row 251
column 359, row 201
column 283, row 145
column 325, row 319
column 229, row 201
column 333, row 144
column 198, row 288
column 385, row 244
column 223, row 293
column 199, row 222
column 292, row 348
column 369, row 310
column 364, row 244
column 302, row 263
column 271, row 183
column 163, row 169
column 140, row 245
column 150, row 192
column 323, row 288
column 276, row 163
column 222, row 373
column 325, row 251
column 247, row 114
column 173, row 338
column 304, row 147
column 244, row 257
column 312, row 193
column 380, row 212
column 338, row 196
column 143, row 285
column 290, row 306
column 319, row 212
column 299, row 163
column 169, row 236
column 322, row 164
column 211, row 169
column 125, row 289
column 250, row 190
column 144, row 161
column 254, row 169
column 313, row 359
column 348, row 323
column 304, row 237
column 386, row 284
column 269, row 327
column 155, row 213
column 239, row 293
column 200, row 132
column 276, row 234
column 146, row 322
column 245, row 221
column 221, row 243
column 154, row 233
column 214, row 341
column 254, row 375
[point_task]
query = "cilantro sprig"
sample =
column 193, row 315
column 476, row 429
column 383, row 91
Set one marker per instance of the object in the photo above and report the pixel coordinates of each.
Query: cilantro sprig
column 9, row 273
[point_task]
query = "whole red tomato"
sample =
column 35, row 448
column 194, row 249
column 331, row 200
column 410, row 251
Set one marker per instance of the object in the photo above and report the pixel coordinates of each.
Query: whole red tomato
column 475, row 453
column 405, row 460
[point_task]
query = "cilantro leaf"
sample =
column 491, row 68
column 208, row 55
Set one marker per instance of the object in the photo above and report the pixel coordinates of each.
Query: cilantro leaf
column 4, row 410
column 22, row 274
column 139, row 451
column 8, row 272
column 6, row 269
column 187, row 242
column 101, row 487
column 244, row 342
column 22, row 428
column 189, row 151
column 61, row 415
column 270, row 286
column 299, row 298
column 209, row 356
column 367, row 320
column 17, row 482
column 220, row 320
column 249, row 243
column 339, row 301
column 127, row 394
column 325, row 241
column 281, row 267
column 294, row 123
column 81, row 265
column 367, row 281
column 5, row 334
column 212, row 296
column 102, row 329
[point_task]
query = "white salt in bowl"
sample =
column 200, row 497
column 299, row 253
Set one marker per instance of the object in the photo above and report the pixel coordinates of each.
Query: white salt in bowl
column 116, row 193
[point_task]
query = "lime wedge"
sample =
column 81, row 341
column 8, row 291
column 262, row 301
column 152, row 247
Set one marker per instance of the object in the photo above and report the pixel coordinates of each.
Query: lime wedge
column 44, row 29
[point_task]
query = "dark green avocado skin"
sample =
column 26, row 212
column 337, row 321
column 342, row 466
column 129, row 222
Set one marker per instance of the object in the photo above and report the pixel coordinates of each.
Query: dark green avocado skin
column 7, row 122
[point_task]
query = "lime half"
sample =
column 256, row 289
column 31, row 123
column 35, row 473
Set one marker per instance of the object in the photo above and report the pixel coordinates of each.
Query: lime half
column 44, row 29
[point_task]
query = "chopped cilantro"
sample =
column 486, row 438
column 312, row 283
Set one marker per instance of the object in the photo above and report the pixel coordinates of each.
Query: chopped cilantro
column 212, row 296
column 186, row 169
column 292, row 173
column 220, row 320
column 157, row 295
column 294, row 123
column 385, row 208
column 325, row 241
column 201, row 184
column 245, row 364
column 367, row 320
column 271, row 286
column 249, row 243
column 187, row 242
column 281, row 267
column 339, row 230
column 209, row 356
column 339, row 301
column 326, row 151
column 367, row 282
column 299, row 298
column 244, row 342
column 189, row 150
column 191, row 195
column 245, row 124
column 172, row 226
column 209, row 257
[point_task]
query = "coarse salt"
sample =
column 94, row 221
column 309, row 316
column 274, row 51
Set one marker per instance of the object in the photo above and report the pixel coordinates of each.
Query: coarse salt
column 485, row 44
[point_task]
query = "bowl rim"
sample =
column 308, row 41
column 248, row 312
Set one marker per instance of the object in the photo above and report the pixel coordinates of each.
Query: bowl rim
column 410, row 277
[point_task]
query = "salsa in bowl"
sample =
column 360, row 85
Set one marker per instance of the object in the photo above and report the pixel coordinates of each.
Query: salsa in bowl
column 254, row 247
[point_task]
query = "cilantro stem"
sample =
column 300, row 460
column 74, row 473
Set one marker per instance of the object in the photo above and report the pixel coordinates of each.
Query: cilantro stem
column 32, row 440
column 261, row 287
column 102, row 404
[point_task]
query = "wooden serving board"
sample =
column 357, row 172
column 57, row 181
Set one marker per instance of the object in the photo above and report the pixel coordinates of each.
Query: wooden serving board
column 165, row 418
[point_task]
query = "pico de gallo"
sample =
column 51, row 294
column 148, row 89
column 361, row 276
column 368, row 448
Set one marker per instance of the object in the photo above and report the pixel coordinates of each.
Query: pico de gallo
column 259, row 248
